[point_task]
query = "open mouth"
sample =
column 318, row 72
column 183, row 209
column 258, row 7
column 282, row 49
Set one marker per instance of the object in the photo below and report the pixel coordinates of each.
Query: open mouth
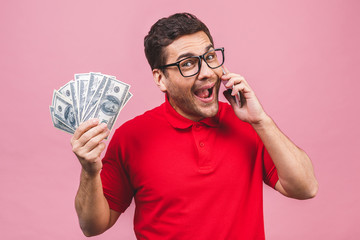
column 205, row 93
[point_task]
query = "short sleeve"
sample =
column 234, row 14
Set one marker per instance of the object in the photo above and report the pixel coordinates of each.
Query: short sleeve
column 270, row 176
column 115, row 180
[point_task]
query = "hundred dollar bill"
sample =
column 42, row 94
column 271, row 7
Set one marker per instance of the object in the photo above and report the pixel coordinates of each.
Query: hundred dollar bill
column 109, row 76
column 82, row 81
column 78, row 77
column 127, row 98
column 64, row 111
column 74, row 99
column 94, row 81
column 89, row 95
column 93, row 103
column 58, row 124
column 111, row 101
column 89, row 112
column 66, row 91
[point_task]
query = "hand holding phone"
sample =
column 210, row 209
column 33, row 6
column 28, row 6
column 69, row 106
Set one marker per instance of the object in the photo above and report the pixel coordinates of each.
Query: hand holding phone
column 239, row 97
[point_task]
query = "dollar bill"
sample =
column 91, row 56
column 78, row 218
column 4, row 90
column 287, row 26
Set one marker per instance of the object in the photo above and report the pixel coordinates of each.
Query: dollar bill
column 74, row 100
column 65, row 91
column 94, row 104
column 94, row 81
column 90, row 109
column 111, row 101
column 58, row 124
column 127, row 98
column 82, row 81
column 90, row 95
column 64, row 111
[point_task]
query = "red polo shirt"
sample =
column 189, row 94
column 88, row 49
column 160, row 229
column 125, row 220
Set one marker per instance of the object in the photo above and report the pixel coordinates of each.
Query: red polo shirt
column 189, row 180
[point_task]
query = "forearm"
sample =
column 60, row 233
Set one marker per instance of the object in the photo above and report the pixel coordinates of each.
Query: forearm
column 91, row 206
column 294, row 167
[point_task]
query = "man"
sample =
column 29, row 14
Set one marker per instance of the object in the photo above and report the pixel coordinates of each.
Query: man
column 194, row 166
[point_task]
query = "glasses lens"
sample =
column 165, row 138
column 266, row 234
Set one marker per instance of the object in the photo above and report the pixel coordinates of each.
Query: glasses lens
column 189, row 66
column 214, row 58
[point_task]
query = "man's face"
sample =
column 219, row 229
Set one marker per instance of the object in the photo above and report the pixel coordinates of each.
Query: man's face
column 193, row 97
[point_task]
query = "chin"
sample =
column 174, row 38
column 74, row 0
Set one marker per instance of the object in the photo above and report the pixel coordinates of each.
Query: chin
column 211, row 111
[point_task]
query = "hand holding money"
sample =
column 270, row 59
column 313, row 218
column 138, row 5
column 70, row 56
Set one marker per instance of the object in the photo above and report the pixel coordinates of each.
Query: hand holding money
column 90, row 95
column 87, row 145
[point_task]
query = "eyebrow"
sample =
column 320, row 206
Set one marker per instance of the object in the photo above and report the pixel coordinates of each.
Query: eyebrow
column 190, row 54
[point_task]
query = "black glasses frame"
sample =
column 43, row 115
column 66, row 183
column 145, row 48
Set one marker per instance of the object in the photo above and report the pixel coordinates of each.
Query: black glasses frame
column 199, row 57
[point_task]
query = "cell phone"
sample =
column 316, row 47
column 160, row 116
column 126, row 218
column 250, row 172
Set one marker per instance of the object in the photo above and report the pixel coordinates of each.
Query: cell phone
column 239, row 98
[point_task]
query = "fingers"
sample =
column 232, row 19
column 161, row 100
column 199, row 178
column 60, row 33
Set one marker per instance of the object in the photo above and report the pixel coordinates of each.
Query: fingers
column 238, row 84
column 85, row 126
column 88, row 136
column 240, row 87
column 90, row 139
column 96, row 135
column 94, row 155
column 86, row 131
column 248, row 109
column 233, row 79
column 87, row 144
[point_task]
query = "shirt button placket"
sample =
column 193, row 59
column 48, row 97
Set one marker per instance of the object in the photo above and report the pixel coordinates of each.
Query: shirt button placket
column 197, row 128
column 200, row 143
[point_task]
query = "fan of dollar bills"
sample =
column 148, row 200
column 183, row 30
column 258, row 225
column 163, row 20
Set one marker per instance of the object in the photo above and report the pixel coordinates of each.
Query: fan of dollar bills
column 90, row 95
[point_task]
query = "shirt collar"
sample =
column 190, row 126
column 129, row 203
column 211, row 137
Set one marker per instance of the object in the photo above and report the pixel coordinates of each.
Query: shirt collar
column 178, row 121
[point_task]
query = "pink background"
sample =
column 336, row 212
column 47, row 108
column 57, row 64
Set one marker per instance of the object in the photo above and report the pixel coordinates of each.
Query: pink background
column 301, row 58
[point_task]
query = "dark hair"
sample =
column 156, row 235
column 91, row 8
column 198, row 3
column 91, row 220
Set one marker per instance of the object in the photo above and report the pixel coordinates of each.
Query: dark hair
column 165, row 31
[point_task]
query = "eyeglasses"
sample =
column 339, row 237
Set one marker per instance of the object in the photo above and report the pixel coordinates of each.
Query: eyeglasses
column 190, row 66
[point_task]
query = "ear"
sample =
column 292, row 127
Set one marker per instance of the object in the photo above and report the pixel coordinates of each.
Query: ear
column 159, row 79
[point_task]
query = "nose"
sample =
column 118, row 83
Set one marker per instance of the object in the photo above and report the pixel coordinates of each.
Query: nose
column 205, row 72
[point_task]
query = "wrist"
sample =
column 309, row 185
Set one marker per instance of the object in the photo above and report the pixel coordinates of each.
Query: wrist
column 262, row 123
column 86, row 175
